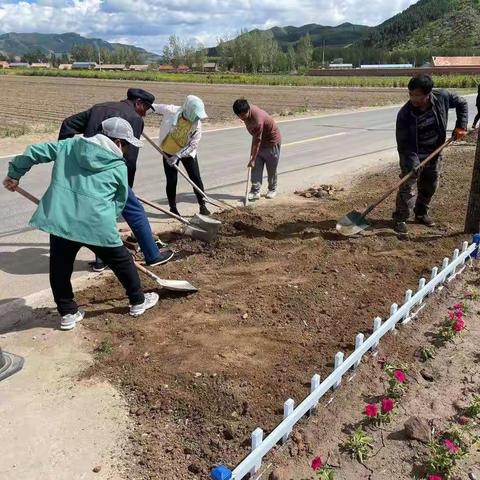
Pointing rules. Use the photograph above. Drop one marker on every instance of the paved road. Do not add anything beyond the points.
(314, 150)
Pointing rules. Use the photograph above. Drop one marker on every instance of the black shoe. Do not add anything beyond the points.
(175, 211)
(425, 220)
(163, 257)
(400, 227)
(97, 266)
(204, 210)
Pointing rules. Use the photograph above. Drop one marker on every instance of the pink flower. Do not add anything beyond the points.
(458, 306)
(459, 325)
(400, 376)
(387, 405)
(317, 463)
(371, 410)
(435, 477)
(451, 315)
(452, 447)
(459, 314)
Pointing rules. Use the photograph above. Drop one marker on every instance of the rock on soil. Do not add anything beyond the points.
(418, 429)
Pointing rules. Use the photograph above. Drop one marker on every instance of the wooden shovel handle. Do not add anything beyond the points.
(27, 195)
(406, 177)
(164, 210)
(247, 186)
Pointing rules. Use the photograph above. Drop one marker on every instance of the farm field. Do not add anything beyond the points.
(38, 104)
(442, 81)
(201, 372)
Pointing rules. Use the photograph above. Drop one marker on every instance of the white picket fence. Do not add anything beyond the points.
(261, 446)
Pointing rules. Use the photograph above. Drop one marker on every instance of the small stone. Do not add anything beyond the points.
(146, 355)
(198, 374)
(194, 468)
(228, 433)
(472, 476)
(96, 469)
(427, 376)
(417, 428)
(245, 316)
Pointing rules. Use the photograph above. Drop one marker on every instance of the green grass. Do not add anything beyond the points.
(443, 81)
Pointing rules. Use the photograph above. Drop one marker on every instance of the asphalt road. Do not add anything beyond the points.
(314, 150)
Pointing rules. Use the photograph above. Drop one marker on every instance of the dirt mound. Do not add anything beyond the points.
(280, 294)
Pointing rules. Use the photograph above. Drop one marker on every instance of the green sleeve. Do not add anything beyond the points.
(33, 155)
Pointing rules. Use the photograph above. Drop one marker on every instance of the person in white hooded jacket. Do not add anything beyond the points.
(179, 137)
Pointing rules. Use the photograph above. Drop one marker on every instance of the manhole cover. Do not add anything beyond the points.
(9, 364)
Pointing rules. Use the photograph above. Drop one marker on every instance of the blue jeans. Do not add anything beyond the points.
(136, 218)
(134, 214)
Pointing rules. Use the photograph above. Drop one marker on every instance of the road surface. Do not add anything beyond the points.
(314, 150)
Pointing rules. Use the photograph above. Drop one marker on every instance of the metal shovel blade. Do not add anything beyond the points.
(352, 223)
(199, 234)
(176, 285)
(206, 223)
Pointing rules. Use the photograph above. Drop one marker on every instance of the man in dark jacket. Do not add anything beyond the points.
(421, 129)
(88, 123)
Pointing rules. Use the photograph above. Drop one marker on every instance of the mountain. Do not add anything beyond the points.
(340, 36)
(18, 44)
(451, 24)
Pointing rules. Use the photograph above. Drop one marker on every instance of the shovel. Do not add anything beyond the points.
(247, 186)
(216, 203)
(354, 222)
(175, 285)
(200, 227)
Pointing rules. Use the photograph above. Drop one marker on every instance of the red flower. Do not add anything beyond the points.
(458, 306)
(387, 405)
(371, 410)
(459, 325)
(317, 463)
(452, 447)
(451, 315)
(459, 314)
(400, 376)
(435, 477)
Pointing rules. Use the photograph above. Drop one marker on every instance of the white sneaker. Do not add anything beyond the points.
(69, 321)
(151, 299)
(271, 194)
(254, 196)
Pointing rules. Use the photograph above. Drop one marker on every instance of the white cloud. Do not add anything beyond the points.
(148, 23)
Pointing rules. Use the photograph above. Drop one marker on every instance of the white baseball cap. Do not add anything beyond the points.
(117, 127)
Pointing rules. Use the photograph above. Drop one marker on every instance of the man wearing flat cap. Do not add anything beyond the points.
(89, 122)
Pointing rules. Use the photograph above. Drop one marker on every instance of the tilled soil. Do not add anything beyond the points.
(46, 101)
(280, 294)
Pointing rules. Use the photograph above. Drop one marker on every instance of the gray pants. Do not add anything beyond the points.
(426, 182)
(269, 158)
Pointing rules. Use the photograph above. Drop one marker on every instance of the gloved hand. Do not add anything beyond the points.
(459, 134)
(173, 160)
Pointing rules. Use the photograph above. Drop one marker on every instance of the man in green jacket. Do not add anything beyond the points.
(87, 193)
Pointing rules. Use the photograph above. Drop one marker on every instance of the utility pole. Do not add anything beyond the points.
(323, 55)
(472, 220)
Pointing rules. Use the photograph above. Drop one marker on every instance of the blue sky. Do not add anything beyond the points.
(149, 23)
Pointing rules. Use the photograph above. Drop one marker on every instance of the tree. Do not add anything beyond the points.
(292, 58)
(305, 51)
(472, 220)
(200, 57)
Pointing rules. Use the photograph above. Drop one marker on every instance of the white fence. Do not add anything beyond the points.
(260, 446)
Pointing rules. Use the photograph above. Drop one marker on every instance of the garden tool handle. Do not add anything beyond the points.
(247, 186)
(164, 210)
(27, 195)
(407, 177)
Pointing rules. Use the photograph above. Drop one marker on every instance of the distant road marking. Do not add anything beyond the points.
(313, 139)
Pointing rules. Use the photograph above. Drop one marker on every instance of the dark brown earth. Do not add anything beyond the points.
(280, 294)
